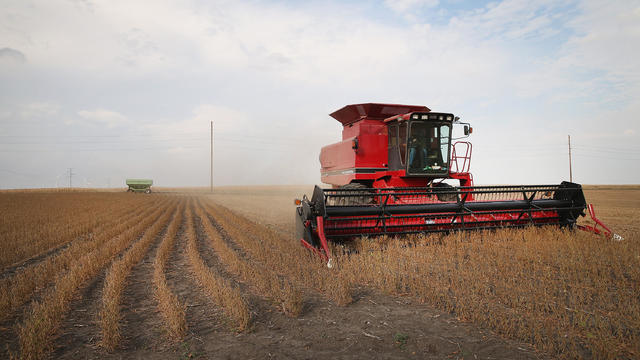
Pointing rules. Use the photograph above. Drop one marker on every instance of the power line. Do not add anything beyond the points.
(608, 150)
(173, 133)
(20, 173)
(171, 142)
(99, 150)
(150, 137)
(265, 149)
(259, 144)
(100, 142)
(606, 157)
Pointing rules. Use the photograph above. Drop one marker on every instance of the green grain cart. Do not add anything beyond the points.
(140, 185)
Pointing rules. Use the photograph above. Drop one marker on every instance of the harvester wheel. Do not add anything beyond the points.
(437, 188)
(148, 191)
(358, 189)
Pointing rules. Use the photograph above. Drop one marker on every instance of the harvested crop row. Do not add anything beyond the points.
(217, 288)
(38, 330)
(172, 310)
(282, 255)
(558, 290)
(109, 315)
(77, 230)
(17, 289)
(268, 283)
(33, 224)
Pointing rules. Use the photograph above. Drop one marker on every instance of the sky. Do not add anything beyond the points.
(126, 89)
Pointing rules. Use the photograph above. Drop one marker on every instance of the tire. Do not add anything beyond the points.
(437, 188)
(148, 191)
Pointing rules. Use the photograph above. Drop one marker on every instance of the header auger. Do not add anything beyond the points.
(387, 175)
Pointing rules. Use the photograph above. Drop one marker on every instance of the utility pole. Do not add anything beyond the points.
(211, 173)
(570, 170)
(70, 176)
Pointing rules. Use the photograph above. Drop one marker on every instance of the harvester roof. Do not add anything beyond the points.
(352, 113)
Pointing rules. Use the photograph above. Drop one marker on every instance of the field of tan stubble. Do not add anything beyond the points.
(569, 293)
(37, 293)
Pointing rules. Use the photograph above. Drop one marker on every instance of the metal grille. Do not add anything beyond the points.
(373, 196)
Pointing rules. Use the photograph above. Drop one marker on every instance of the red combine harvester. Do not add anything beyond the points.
(387, 175)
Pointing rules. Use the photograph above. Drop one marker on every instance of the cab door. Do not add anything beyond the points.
(397, 145)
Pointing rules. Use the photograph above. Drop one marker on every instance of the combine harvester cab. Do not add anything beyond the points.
(387, 178)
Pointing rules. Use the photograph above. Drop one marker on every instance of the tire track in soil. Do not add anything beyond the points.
(81, 333)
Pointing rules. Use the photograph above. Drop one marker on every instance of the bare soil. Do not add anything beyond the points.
(374, 326)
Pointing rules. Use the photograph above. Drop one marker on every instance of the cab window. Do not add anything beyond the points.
(428, 147)
(402, 141)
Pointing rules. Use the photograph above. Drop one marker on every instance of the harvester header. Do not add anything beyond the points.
(391, 174)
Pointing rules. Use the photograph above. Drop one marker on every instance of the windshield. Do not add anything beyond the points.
(428, 147)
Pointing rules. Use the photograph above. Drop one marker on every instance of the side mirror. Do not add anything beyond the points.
(466, 130)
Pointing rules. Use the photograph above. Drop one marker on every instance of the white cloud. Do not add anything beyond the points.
(596, 64)
(177, 150)
(105, 117)
(33, 111)
(605, 37)
(39, 110)
(11, 56)
(300, 45)
(402, 6)
(225, 120)
(275, 69)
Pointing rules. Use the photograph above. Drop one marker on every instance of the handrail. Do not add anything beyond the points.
(466, 158)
